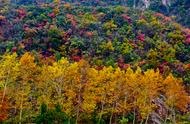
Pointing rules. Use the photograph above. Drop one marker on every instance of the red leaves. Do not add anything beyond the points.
(14, 49)
(165, 18)
(67, 35)
(126, 18)
(187, 39)
(89, 34)
(76, 58)
(21, 13)
(69, 16)
(72, 19)
(52, 15)
(41, 25)
(159, 15)
(162, 67)
(99, 68)
(141, 37)
(122, 65)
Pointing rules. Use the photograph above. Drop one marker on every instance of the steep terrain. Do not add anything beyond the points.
(179, 9)
(79, 63)
(106, 35)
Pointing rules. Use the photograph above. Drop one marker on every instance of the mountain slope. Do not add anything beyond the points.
(110, 34)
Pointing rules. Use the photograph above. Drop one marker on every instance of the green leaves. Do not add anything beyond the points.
(50, 116)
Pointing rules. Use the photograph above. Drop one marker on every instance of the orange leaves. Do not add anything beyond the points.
(175, 93)
(2, 18)
(21, 13)
(27, 67)
(3, 108)
(27, 60)
(67, 6)
(72, 19)
(89, 34)
(188, 66)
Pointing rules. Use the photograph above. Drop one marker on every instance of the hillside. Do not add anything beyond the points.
(179, 9)
(92, 64)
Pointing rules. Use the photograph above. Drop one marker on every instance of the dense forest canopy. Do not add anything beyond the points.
(94, 61)
(178, 8)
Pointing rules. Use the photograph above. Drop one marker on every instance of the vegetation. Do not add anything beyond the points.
(79, 93)
(70, 63)
(177, 9)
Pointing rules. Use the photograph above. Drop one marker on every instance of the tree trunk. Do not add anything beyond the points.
(4, 92)
(21, 107)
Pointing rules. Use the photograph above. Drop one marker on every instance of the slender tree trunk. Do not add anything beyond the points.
(141, 122)
(4, 92)
(146, 122)
(102, 108)
(69, 120)
(78, 109)
(174, 116)
(165, 120)
(21, 108)
(111, 118)
(124, 105)
(134, 114)
(111, 114)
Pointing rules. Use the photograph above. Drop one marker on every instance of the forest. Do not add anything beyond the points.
(94, 62)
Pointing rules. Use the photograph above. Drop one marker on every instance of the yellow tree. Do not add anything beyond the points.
(144, 88)
(71, 86)
(51, 83)
(176, 96)
(63, 85)
(117, 93)
(90, 99)
(83, 68)
(8, 72)
(24, 84)
(124, 104)
(104, 88)
(107, 89)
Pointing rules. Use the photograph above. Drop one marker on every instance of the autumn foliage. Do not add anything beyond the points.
(3, 108)
(82, 62)
(81, 90)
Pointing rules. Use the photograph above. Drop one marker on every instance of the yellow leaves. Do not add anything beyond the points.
(78, 87)
(8, 68)
(144, 88)
(110, 25)
(109, 46)
(27, 68)
(27, 60)
(89, 103)
(57, 6)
